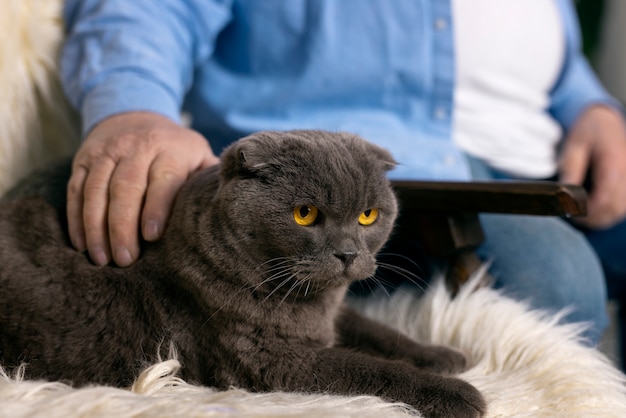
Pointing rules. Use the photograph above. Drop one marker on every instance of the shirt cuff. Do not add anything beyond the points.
(127, 92)
(579, 90)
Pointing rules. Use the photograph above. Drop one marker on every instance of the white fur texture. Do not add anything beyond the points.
(35, 122)
(523, 361)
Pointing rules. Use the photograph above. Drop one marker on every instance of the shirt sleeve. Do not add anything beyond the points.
(123, 55)
(578, 87)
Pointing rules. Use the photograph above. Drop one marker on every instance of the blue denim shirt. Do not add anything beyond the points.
(382, 69)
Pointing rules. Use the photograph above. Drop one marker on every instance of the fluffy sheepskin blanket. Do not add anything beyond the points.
(36, 124)
(523, 361)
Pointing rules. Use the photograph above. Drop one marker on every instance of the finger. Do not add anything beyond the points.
(165, 180)
(95, 205)
(75, 207)
(127, 191)
(607, 200)
(574, 162)
(209, 160)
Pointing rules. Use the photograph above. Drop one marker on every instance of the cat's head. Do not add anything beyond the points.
(307, 208)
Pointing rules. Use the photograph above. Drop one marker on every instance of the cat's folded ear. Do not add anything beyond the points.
(245, 157)
(252, 156)
(384, 157)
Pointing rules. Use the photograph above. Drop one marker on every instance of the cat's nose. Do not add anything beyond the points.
(347, 257)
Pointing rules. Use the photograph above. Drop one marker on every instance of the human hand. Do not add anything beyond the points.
(597, 143)
(129, 170)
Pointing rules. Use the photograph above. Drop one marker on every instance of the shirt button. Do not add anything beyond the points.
(449, 160)
(440, 113)
(441, 24)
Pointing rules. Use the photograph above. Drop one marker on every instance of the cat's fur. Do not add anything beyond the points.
(246, 296)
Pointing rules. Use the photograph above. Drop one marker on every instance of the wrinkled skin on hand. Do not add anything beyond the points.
(125, 177)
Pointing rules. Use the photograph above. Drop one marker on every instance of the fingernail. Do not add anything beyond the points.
(98, 256)
(151, 230)
(123, 257)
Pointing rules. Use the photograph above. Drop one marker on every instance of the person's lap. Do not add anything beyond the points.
(610, 245)
(546, 261)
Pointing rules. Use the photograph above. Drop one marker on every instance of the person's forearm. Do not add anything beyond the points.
(122, 56)
(577, 90)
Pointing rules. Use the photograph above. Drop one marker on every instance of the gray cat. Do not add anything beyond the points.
(247, 282)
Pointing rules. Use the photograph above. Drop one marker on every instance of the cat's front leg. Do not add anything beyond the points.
(371, 337)
(345, 372)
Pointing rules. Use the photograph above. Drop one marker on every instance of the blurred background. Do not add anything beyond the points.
(603, 24)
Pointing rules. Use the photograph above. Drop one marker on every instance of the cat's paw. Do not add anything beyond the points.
(450, 397)
(440, 359)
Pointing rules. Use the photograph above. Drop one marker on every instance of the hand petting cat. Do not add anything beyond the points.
(124, 180)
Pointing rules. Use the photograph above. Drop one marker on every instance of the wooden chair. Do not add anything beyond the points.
(443, 216)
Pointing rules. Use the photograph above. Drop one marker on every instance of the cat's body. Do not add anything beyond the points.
(247, 291)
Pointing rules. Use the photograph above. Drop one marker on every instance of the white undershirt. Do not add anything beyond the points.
(509, 54)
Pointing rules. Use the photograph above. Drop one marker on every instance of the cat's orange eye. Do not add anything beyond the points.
(368, 217)
(305, 215)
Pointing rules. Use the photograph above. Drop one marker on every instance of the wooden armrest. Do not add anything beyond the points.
(502, 196)
(444, 215)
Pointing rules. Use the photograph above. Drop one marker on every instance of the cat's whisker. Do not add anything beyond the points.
(285, 267)
(308, 282)
(279, 269)
(254, 289)
(385, 285)
(403, 257)
(282, 273)
(273, 277)
(382, 285)
(272, 260)
(277, 266)
(275, 262)
(278, 287)
(379, 284)
(405, 274)
(297, 283)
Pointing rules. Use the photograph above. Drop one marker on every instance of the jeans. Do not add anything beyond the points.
(610, 245)
(547, 262)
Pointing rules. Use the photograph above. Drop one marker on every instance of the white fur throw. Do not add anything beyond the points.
(524, 363)
(36, 124)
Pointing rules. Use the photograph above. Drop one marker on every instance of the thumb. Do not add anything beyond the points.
(574, 161)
